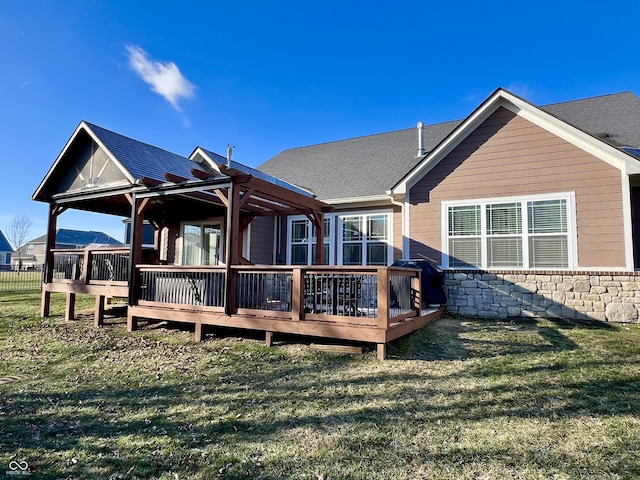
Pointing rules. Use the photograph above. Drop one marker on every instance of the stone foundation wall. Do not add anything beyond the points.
(604, 296)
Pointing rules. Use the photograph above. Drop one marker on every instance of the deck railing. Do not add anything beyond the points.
(377, 296)
(181, 285)
(353, 295)
(264, 290)
(91, 266)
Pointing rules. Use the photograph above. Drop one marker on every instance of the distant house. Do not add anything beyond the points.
(5, 252)
(34, 251)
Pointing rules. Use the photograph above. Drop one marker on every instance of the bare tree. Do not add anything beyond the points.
(18, 234)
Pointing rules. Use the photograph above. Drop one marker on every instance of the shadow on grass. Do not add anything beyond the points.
(451, 338)
(186, 415)
(145, 406)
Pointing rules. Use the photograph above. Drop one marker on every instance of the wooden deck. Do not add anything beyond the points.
(368, 304)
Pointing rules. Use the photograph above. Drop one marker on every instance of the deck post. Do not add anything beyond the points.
(98, 319)
(382, 351)
(45, 304)
(86, 260)
(70, 307)
(231, 245)
(132, 322)
(135, 255)
(268, 339)
(317, 219)
(416, 287)
(383, 298)
(297, 294)
(47, 276)
(199, 333)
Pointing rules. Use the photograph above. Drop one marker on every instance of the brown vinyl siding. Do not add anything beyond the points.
(509, 156)
(262, 237)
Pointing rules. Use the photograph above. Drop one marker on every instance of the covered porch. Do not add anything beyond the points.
(368, 304)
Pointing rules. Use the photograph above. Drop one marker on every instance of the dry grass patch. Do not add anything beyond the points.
(458, 399)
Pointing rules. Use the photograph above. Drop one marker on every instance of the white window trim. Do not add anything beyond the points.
(214, 220)
(572, 243)
(339, 243)
(311, 240)
(246, 243)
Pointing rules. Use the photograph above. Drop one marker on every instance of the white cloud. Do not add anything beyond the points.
(164, 77)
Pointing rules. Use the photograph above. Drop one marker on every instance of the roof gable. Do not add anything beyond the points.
(95, 157)
(502, 98)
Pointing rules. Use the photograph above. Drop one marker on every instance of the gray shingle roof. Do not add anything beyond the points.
(358, 167)
(142, 159)
(371, 165)
(257, 173)
(613, 118)
(4, 244)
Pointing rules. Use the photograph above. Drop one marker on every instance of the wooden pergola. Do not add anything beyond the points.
(242, 195)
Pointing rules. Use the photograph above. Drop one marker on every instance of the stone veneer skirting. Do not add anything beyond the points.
(603, 296)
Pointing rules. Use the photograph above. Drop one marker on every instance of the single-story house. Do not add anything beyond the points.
(529, 211)
(5, 252)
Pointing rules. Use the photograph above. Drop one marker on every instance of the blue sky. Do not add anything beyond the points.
(267, 76)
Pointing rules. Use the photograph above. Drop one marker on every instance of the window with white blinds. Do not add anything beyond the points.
(525, 233)
(548, 245)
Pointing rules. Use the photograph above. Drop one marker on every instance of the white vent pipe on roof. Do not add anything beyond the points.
(421, 152)
(229, 153)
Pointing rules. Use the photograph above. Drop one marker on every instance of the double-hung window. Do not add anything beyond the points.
(365, 239)
(302, 241)
(512, 233)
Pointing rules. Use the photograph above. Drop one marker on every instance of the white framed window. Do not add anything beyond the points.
(301, 244)
(534, 232)
(365, 238)
(202, 242)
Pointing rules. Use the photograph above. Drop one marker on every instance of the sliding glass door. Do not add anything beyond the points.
(202, 243)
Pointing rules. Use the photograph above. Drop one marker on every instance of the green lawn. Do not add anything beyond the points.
(460, 399)
(12, 280)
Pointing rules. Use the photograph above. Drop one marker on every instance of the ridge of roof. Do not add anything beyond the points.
(624, 92)
(363, 137)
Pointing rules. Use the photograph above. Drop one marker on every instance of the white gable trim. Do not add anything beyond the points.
(627, 220)
(82, 126)
(200, 156)
(502, 98)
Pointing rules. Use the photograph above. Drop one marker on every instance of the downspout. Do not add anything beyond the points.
(405, 235)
